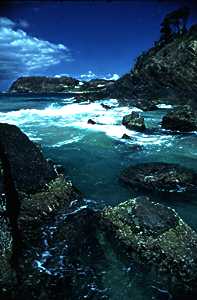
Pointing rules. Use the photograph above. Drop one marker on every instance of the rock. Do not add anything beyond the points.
(29, 169)
(166, 71)
(7, 273)
(106, 106)
(37, 207)
(92, 122)
(162, 177)
(182, 118)
(125, 137)
(156, 236)
(134, 121)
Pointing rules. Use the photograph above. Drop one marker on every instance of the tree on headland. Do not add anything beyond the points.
(174, 23)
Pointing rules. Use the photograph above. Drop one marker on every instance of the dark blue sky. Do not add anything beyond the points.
(103, 37)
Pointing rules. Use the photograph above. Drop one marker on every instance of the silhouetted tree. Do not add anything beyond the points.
(174, 23)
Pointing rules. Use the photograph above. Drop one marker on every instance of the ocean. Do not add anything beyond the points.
(94, 155)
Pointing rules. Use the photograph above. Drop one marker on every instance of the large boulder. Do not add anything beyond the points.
(156, 236)
(182, 118)
(29, 169)
(134, 121)
(162, 177)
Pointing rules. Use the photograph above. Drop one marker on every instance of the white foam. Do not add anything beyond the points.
(76, 115)
(165, 106)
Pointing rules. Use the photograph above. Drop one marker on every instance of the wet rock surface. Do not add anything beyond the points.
(182, 118)
(162, 177)
(7, 274)
(134, 122)
(29, 170)
(155, 235)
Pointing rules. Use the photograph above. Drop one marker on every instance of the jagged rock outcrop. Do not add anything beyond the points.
(42, 84)
(162, 177)
(134, 121)
(96, 84)
(167, 73)
(181, 118)
(156, 236)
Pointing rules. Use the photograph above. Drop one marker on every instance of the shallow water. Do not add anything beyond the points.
(94, 155)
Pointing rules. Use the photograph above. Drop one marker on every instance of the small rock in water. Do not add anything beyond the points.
(126, 137)
(106, 106)
(134, 121)
(92, 122)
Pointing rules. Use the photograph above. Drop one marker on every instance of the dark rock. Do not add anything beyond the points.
(134, 121)
(29, 169)
(156, 236)
(182, 118)
(36, 207)
(166, 71)
(161, 177)
(90, 121)
(106, 106)
(125, 136)
(7, 273)
(96, 84)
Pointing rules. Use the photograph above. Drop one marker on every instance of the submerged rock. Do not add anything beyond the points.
(156, 236)
(182, 118)
(162, 177)
(134, 121)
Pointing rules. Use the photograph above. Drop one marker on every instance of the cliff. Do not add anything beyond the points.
(166, 73)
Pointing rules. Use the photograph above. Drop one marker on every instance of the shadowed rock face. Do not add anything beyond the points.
(160, 177)
(29, 170)
(155, 235)
(182, 118)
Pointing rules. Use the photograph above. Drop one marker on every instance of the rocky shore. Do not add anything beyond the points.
(33, 195)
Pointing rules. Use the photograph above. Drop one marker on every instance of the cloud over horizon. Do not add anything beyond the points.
(21, 54)
(90, 75)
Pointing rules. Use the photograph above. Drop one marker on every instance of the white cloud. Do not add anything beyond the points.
(5, 22)
(88, 76)
(20, 53)
(112, 76)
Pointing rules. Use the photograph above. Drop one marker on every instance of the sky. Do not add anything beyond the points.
(82, 39)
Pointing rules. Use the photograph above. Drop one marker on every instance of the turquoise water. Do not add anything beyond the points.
(94, 155)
